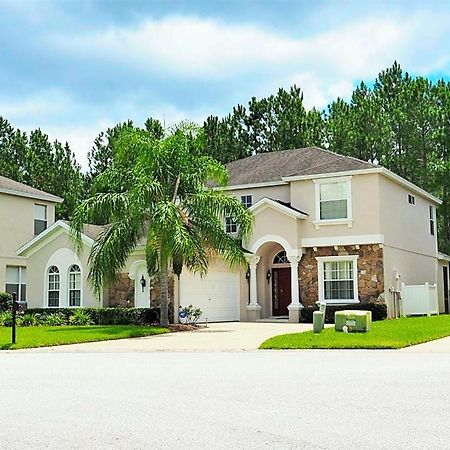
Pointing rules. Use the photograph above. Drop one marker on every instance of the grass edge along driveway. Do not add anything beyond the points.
(386, 334)
(43, 336)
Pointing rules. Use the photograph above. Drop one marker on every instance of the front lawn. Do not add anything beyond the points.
(43, 336)
(395, 333)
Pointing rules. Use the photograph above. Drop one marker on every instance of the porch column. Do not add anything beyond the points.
(295, 307)
(253, 308)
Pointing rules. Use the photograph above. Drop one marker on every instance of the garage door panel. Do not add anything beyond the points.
(216, 294)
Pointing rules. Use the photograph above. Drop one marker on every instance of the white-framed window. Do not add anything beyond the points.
(74, 285)
(53, 287)
(333, 201)
(338, 279)
(432, 220)
(40, 218)
(230, 225)
(16, 281)
(411, 200)
(247, 200)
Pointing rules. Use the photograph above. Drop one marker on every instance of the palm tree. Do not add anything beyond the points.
(158, 192)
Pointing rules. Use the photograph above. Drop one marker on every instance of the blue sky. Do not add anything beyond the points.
(74, 68)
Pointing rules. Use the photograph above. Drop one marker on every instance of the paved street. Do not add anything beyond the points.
(254, 400)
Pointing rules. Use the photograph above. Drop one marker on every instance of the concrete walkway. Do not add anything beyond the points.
(437, 346)
(232, 336)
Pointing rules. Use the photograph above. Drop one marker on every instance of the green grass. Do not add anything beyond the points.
(395, 333)
(29, 337)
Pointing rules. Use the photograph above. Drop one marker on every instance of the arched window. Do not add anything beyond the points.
(74, 285)
(53, 287)
(281, 258)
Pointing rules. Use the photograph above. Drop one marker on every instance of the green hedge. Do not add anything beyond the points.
(107, 316)
(379, 311)
(5, 301)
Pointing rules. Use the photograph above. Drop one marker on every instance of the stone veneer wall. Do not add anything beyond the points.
(370, 271)
(121, 293)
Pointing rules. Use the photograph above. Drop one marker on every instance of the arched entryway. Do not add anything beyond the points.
(273, 266)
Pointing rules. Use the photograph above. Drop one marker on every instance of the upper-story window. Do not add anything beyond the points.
(40, 218)
(411, 199)
(333, 201)
(230, 225)
(247, 200)
(432, 220)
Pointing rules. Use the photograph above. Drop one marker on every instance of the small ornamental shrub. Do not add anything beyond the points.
(5, 319)
(5, 301)
(28, 320)
(192, 314)
(55, 320)
(80, 317)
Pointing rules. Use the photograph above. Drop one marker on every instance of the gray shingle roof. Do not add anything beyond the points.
(15, 188)
(272, 166)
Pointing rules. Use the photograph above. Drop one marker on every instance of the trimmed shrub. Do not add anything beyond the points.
(28, 320)
(80, 317)
(379, 311)
(5, 301)
(5, 319)
(54, 320)
(103, 316)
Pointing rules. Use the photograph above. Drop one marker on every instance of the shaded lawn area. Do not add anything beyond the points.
(42, 336)
(394, 333)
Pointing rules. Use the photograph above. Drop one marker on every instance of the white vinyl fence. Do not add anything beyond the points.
(419, 299)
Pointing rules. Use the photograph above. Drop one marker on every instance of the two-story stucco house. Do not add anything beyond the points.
(25, 212)
(326, 227)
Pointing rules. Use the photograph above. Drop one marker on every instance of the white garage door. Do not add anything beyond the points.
(216, 294)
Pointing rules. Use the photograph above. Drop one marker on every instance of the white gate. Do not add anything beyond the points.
(419, 299)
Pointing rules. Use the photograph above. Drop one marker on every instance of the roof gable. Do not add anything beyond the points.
(284, 208)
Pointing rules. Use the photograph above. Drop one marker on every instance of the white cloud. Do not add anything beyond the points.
(205, 48)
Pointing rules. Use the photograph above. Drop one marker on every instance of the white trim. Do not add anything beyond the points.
(343, 240)
(332, 174)
(318, 222)
(252, 185)
(50, 198)
(320, 261)
(266, 202)
(271, 238)
(51, 231)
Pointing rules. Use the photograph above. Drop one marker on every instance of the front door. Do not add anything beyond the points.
(142, 289)
(446, 293)
(281, 291)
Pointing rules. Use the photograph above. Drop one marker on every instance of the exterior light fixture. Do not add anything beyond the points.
(268, 275)
(143, 283)
(247, 275)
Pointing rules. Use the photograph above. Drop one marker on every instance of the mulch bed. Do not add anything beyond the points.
(176, 327)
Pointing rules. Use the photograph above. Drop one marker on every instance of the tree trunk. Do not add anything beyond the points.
(164, 305)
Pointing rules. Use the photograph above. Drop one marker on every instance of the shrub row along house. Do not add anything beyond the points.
(326, 227)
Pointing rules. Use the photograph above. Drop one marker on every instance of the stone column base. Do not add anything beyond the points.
(294, 313)
(253, 313)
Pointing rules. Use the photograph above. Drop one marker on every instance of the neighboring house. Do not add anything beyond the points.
(25, 212)
(326, 227)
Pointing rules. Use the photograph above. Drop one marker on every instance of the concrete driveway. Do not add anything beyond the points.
(232, 336)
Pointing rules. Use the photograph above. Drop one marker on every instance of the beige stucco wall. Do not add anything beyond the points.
(365, 208)
(412, 268)
(440, 282)
(281, 193)
(37, 273)
(16, 228)
(405, 226)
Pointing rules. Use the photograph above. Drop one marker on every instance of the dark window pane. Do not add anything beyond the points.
(39, 226)
(53, 298)
(333, 209)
